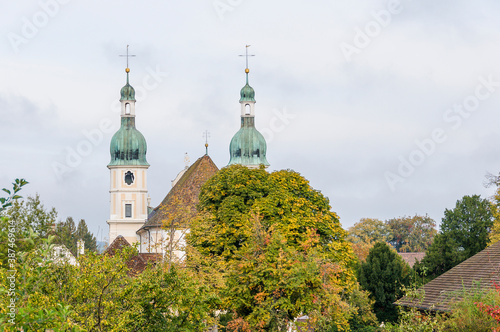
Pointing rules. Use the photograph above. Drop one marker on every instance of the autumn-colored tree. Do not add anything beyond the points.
(364, 234)
(411, 234)
(282, 251)
(494, 180)
(99, 293)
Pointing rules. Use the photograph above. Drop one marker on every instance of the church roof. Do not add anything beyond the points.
(127, 92)
(248, 146)
(128, 146)
(180, 203)
(247, 93)
(481, 270)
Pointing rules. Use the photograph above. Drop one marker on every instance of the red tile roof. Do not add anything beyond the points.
(136, 263)
(412, 257)
(180, 203)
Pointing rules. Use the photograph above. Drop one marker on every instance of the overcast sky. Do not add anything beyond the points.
(389, 108)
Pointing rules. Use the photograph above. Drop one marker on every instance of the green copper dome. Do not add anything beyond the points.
(128, 145)
(127, 92)
(248, 146)
(247, 93)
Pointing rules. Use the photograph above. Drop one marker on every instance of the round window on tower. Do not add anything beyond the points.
(129, 178)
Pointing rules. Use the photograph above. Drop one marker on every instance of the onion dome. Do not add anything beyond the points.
(247, 93)
(127, 92)
(128, 145)
(248, 146)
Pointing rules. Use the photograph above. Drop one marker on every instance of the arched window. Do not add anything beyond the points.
(127, 108)
(247, 109)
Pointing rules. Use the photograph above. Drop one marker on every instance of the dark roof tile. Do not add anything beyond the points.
(481, 270)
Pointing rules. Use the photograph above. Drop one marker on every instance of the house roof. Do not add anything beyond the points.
(480, 270)
(411, 257)
(180, 203)
(136, 263)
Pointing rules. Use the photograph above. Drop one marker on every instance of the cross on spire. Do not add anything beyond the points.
(206, 135)
(246, 55)
(128, 56)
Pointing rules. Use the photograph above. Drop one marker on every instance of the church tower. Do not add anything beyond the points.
(248, 146)
(128, 168)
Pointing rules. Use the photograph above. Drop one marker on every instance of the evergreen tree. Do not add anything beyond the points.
(66, 234)
(384, 274)
(82, 232)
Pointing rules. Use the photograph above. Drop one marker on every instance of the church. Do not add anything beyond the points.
(161, 230)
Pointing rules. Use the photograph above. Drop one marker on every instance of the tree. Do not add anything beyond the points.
(494, 235)
(83, 233)
(66, 234)
(368, 230)
(469, 224)
(364, 234)
(491, 180)
(31, 213)
(9, 232)
(411, 234)
(384, 274)
(464, 232)
(441, 256)
(170, 298)
(281, 250)
(19, 218)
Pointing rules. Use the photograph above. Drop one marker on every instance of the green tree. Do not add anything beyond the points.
(9, 232)
(384, 274)
(441, 256)
(169, 298)
(31, 213)
(464, 232)
(18, 218)
(469, 224)
(66, 234)
(83, 233)
(411, 234)
(281, 250)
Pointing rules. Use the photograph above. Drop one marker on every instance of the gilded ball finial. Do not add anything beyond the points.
(206, 145)
(247, 70)
(127, 70)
